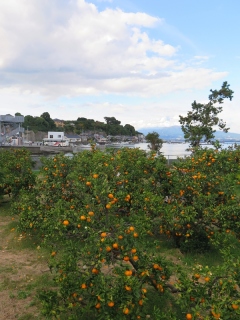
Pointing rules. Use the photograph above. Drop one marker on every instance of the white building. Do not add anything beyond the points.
(56, 139)
(55, 135)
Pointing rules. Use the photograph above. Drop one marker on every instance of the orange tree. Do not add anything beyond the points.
(213, 292)
(15, 171)
(101, 214)
(96, 210)
(202, 213)
(202, 201)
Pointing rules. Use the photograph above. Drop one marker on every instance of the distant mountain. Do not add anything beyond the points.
(175, 133)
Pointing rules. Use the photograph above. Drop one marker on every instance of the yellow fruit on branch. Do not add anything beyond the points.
(110, 304)
(65, 222)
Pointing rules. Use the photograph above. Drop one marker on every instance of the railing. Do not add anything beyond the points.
(170, 157)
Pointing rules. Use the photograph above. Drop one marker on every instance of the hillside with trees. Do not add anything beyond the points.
(111, 126)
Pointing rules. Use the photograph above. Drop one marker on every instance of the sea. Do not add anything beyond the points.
(175, 150)
(171, 151)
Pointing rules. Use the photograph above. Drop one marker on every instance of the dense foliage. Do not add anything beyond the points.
(154, 140)
(43, 123)
(111, 127)
(105, 214)
(15, 171)
(200, 122)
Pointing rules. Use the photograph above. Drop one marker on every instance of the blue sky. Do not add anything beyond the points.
(143, 62)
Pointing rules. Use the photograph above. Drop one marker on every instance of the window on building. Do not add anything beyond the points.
(51, 136)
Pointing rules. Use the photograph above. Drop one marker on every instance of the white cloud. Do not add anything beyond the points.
(71, 48)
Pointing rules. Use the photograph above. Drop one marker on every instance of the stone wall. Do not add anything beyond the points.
(32, 136)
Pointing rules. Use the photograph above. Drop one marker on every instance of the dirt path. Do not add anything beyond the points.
(22, 272)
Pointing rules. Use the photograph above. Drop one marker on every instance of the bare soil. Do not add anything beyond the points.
(21, 271)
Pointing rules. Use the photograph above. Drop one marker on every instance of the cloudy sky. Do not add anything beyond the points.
(143, 62)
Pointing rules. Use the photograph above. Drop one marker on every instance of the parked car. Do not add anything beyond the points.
(57, 144)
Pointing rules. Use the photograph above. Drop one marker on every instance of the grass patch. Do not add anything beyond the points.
(21, 242)
(7, 269)
(5, 205)
(210, 258)
(162, 306)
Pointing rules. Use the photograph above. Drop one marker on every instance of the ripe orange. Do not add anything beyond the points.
(134, 250)
(98, 305)
(126, 311)
(128, 288)
(95, 175)
(131, 228)
(95, 271)
(126, 258)
(84, 286)
(188, 316)
(88, 183)
(110, 196)
(135, 258)
(108, 249)
(108, 206)
(115, 246)
(110, 304)
(135, 234)
(235, 306)
(66, 222)
(53, 253)
(140, 302)
(91, 213)
(103, 234)
(207, 279)
(82, 218)
(120, 237)
(128, 273)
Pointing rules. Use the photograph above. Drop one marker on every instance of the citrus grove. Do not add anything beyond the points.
(15, 171)
(105, 215)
